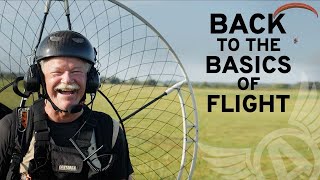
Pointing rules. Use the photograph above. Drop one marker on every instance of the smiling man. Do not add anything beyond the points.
(63, 138)
(65, 79)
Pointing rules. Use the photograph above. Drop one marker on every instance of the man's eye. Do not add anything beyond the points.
(56, 73)
(77, 72)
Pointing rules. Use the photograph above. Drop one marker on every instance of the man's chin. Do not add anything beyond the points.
(64, 104)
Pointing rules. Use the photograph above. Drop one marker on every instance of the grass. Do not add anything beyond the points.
(243, 129)
(216, 129)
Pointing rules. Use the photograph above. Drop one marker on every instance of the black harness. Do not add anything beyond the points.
(51, 160)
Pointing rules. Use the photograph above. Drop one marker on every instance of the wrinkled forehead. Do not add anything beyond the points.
(64, 62)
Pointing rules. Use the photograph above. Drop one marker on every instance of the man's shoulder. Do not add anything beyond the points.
(104, 121)
(102, 115)
(38, 105)
(101, 118)
(7, 121)
(4, 110)
(7, 131)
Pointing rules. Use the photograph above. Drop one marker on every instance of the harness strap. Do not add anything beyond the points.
(24, 165)
(115, 132)
(39, 167)
(86, 132)
(41, 130)
(39, 159)
(93, 147)
(19, 141)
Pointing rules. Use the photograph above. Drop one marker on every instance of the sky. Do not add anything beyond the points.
(186, 26)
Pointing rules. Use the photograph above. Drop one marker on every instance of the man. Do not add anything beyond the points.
(63, 138)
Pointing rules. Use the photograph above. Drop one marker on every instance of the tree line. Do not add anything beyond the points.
(153, 82)
(298, 85)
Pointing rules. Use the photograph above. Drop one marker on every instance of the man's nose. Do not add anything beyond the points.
(67, 78)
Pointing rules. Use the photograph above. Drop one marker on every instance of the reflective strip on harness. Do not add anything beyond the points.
(92, 149)
(93, 146)
(115, 132)
(24, 165)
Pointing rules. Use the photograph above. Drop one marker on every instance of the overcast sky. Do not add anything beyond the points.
(186, 26)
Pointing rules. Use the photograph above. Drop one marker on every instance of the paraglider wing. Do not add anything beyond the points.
(294, 5)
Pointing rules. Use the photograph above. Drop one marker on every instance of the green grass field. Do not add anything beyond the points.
(231, 130)
(245, 130)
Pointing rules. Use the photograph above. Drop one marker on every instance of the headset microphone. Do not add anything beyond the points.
(75, 108)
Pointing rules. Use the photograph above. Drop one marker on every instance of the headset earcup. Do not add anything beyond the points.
(93, 81)
(32, 79)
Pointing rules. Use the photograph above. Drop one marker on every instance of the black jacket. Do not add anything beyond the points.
(121, 167)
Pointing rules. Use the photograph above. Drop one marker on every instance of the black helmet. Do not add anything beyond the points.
(66, 43)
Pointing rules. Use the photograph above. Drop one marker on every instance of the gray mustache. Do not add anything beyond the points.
(63, 86)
